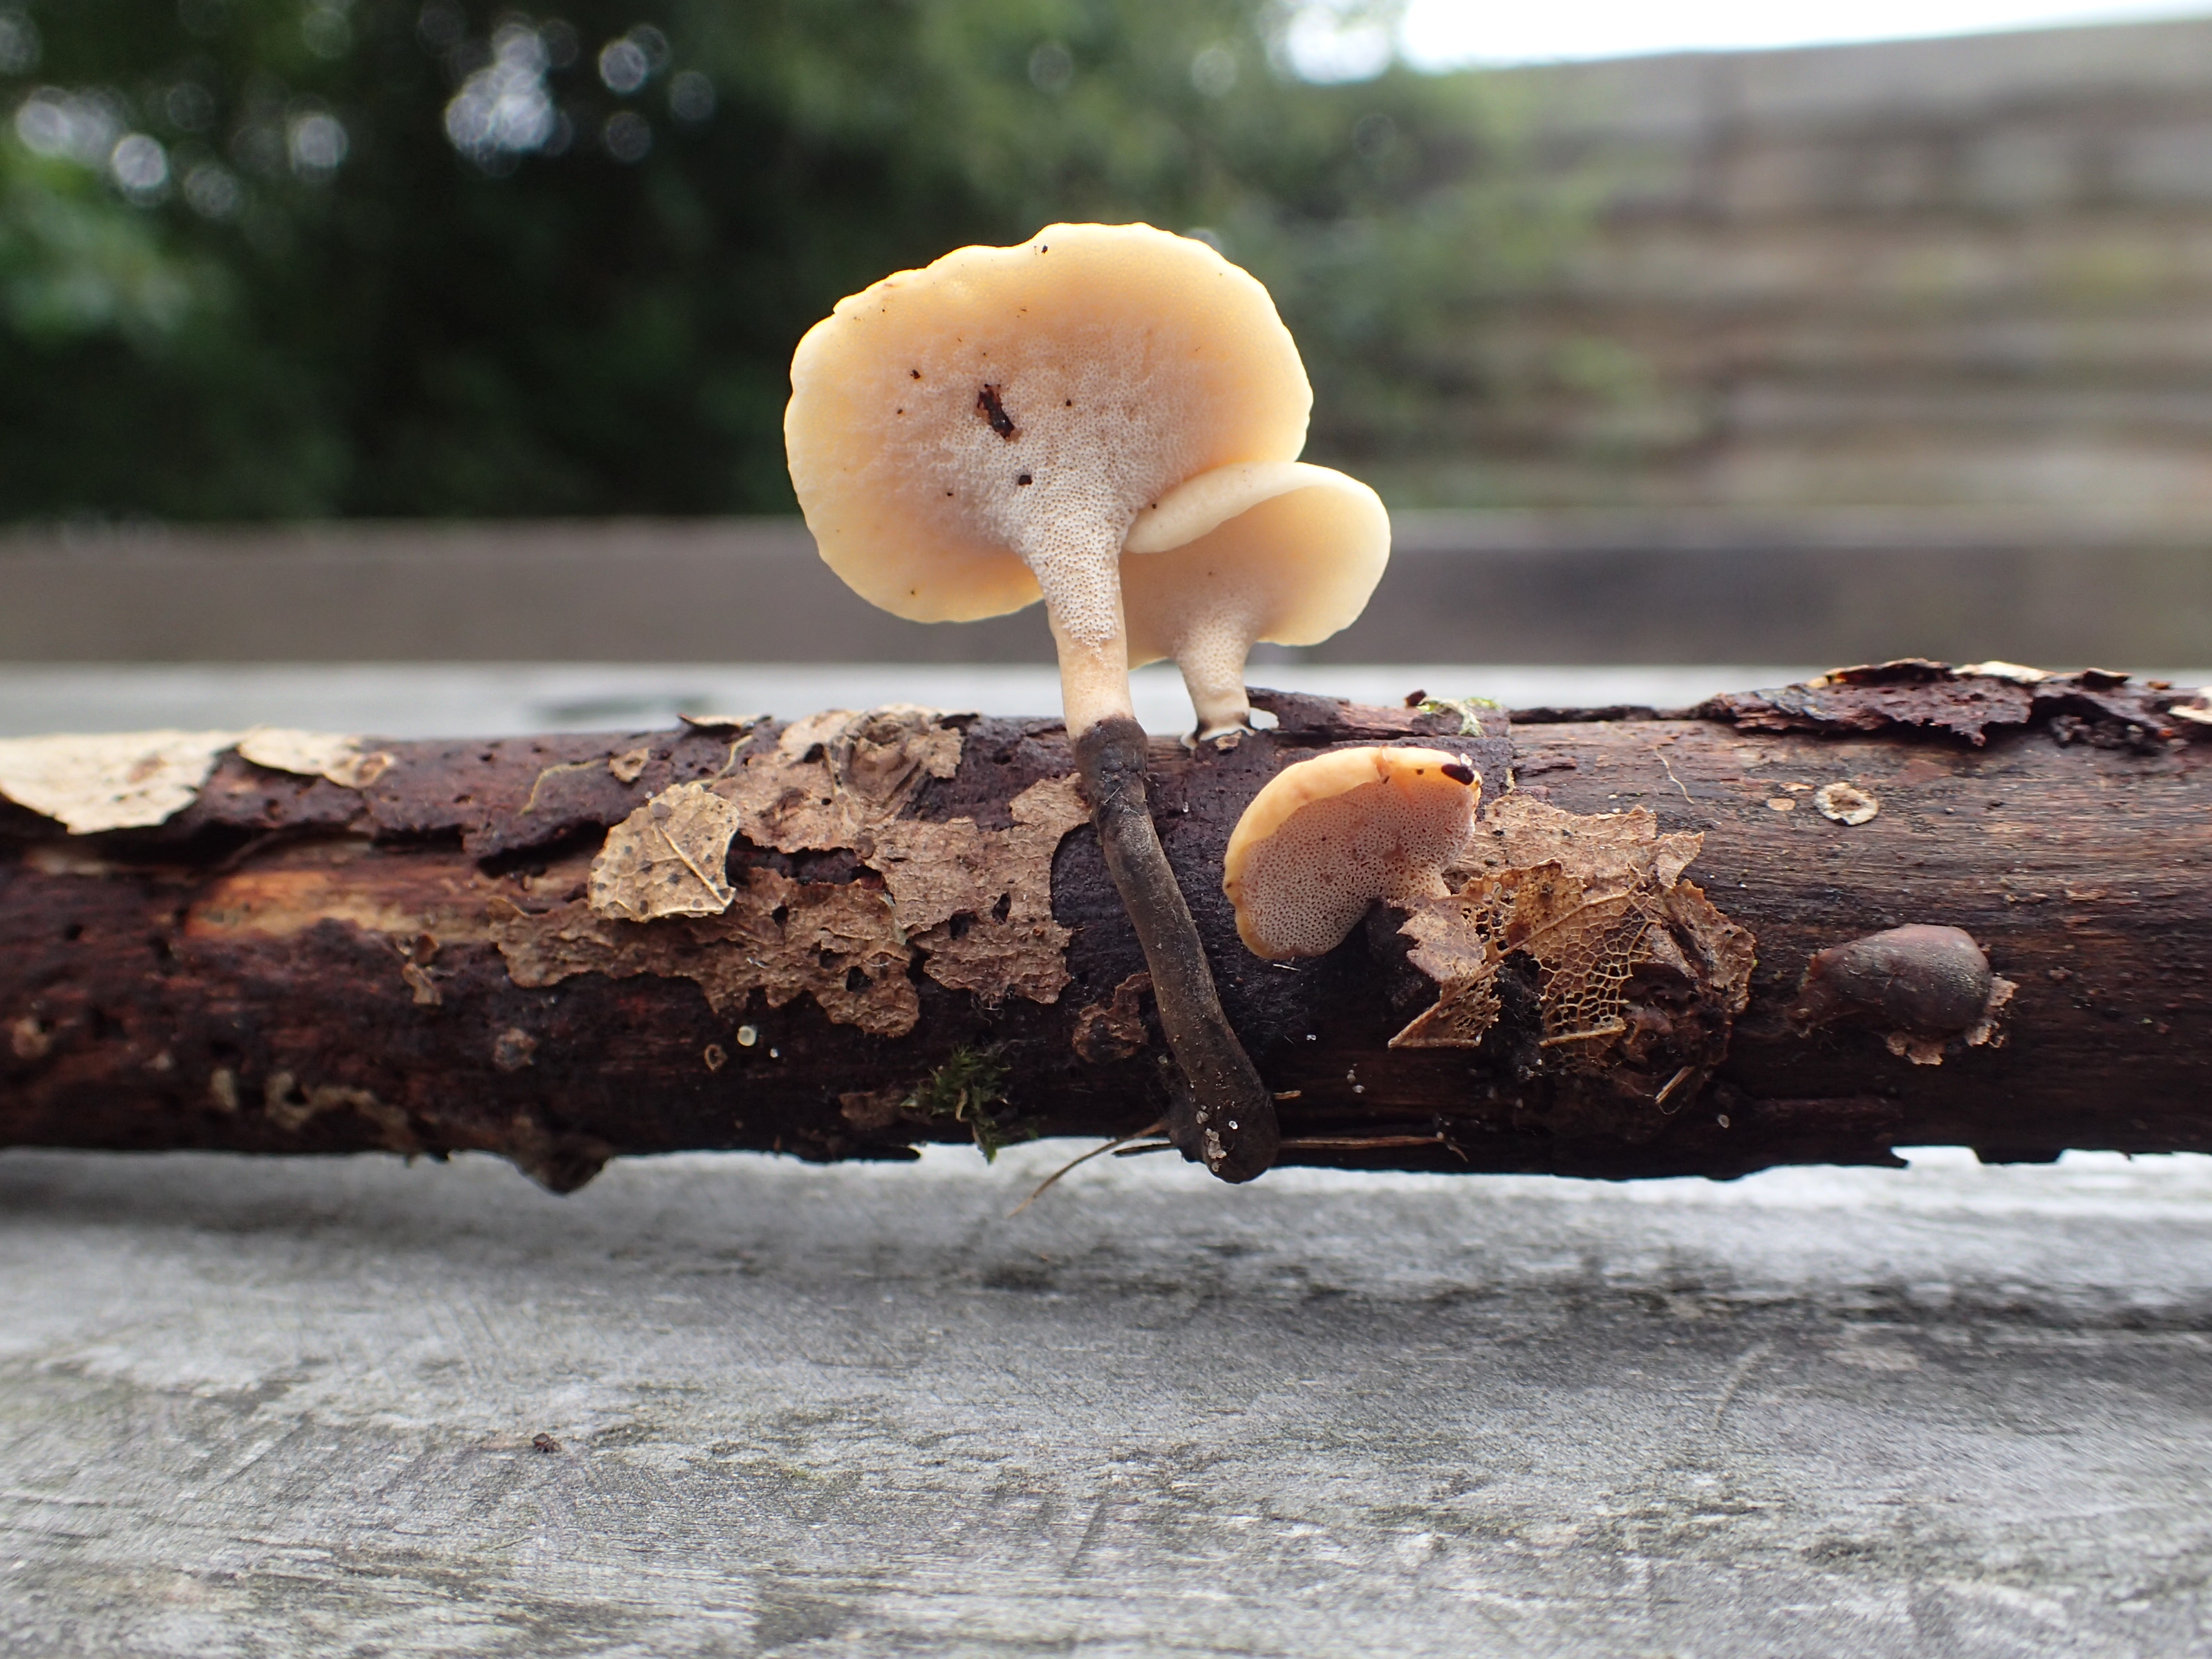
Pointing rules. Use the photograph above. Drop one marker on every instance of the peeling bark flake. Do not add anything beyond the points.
(979, 902)
(833, 775)
(836, 942)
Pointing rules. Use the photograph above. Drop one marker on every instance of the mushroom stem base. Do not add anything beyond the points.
(1231, 1126)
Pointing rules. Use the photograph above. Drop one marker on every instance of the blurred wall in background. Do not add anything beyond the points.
(1971, 272)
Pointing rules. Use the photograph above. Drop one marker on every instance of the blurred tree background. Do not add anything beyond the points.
(276, 259)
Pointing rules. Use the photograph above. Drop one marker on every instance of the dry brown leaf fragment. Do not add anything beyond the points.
(1609, 850)
(881, 757)
(1600, 898)
(978, 902)
(1465, 1010)
(1107, 1031)
(843, 947)
(994, 960)
(668, 858)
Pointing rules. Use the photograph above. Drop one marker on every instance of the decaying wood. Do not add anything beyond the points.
(845, 936)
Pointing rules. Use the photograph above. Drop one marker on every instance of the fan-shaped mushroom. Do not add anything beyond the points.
(1276, 550)
(1329, 836)
(964, 437)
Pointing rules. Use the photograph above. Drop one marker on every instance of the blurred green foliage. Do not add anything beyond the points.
(263, 258)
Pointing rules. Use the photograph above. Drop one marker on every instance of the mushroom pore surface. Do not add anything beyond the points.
(965, 436)
(1327, 837)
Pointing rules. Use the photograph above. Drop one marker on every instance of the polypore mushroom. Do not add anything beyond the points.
(968, 436)
(1276, 550)
(1331, 835)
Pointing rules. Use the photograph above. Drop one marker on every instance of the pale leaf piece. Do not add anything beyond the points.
(314, 754)
(110, 780)
(1609, 851)
(667, 858)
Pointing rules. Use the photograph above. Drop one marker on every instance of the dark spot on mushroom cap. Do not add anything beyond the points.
(1460, 773)
(915, 373)
(995, 414)
(1024, 478)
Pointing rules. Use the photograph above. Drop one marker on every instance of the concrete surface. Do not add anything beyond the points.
(282, 1408)
(431, 700)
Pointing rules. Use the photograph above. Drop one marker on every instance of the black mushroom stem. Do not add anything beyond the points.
(1229, 1122)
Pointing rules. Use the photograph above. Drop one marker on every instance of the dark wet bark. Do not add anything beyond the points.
(294, 966)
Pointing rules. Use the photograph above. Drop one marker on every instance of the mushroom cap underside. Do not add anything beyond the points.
(1329, 836)
(1294, 559)
(936, 417)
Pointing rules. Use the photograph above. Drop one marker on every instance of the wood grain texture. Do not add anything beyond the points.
(290, 965)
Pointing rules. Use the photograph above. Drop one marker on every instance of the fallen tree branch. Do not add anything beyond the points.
(843, 937)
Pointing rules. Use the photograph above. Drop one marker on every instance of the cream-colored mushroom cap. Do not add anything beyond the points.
(1276, 550)
(966, 435)
(1329, 836)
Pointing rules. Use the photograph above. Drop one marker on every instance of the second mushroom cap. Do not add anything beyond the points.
(1329, 836)
(1277, 551)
